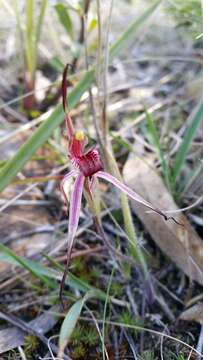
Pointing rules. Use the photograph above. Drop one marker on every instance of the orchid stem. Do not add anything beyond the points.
(62, 284)
(101, 232)
(94, 204)
(127, 216)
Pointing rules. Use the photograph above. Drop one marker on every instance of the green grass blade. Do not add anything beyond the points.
(44, 273)
(130, 34)
(29, 36)
(195, 120)
(18, 23)
(43, 6)
(64, 18)
(41, 135)
(156, 143)
(25, 264)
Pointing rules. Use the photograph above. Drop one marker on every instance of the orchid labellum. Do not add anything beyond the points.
(87, 166)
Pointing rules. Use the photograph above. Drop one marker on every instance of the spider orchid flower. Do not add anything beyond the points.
(87, 167)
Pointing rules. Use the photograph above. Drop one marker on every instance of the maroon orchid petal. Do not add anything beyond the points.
(69, 124)
(89, 163)
(76, 147)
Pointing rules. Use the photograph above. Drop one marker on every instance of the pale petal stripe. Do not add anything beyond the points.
(75, 205)
(132, 194)
(63, 182)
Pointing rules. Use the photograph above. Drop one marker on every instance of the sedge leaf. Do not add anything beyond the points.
(194, 122)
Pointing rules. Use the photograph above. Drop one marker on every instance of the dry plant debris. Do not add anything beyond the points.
(181, 243)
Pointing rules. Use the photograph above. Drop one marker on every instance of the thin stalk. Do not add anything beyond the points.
(105, 122)
(19, 30)
(91, 99)
(40, 22)
(127, 216)
(94, 205)
(82, 36)
(30, 37)
(30, 55)
(99, 63)
(109, 159)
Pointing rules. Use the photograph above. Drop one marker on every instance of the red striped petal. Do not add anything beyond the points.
(88, 163)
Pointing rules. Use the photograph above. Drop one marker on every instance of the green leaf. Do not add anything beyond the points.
(70, 321)
(194, 122)
(64, 18)
(41, 135)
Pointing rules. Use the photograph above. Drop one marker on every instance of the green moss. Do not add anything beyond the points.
(12, 355)
(84, 334)
(91, 337)
(31, 345)
(116, 289)
(148, 355)
(78, 352)
(127, 318)
(180, 357)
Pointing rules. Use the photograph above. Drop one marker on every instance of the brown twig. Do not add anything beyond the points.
(80, 253)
